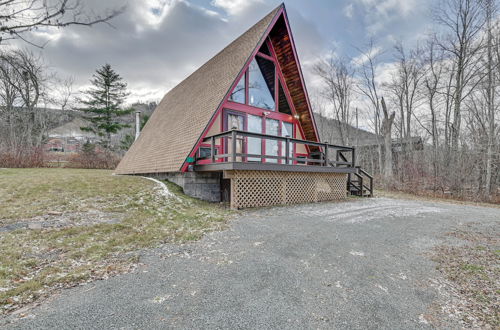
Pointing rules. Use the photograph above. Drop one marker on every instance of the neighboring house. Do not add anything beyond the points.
(366, 143)
(68, 138)
(330, 132)
(240, 129)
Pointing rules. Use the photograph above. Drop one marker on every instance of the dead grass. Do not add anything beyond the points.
(474, 271)
(34, 263)
(403, 195)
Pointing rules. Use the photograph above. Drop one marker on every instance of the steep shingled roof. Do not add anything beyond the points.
(183, 114)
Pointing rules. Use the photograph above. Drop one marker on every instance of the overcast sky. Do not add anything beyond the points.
(155, 44)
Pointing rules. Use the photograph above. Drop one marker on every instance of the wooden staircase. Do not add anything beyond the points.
(360, 183)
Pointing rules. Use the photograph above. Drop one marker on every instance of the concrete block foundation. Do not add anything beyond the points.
(202, 185)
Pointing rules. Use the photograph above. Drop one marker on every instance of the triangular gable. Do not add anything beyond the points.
(182, 116)
(293, 95)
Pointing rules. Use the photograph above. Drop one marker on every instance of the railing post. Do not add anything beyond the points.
(212, 149)
(287, 150)
(353, 157)
(337, 157)
(361, 184)
(233, 142)
(326, 155)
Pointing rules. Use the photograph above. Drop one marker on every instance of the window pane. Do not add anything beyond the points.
(272, 128)
(238, 94)
(254, 144)
(261, 83)
(287, 130)
(206, 153)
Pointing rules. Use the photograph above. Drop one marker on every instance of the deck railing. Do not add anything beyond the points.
(319, 153)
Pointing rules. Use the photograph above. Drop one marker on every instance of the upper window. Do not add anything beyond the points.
(238, 94)
(261, 83)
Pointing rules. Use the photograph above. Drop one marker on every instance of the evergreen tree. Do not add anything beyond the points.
(103, 105)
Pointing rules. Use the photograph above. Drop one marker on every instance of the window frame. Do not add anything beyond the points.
(278, 79)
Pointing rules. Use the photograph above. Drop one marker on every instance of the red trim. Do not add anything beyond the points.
(285, 16)
(285, 89)
(267, 57)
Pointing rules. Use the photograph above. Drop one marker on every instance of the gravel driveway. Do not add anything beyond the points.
(358, 264)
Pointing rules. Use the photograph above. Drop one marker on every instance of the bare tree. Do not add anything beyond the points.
(492, 65)
(17, 17)
(405, 86)
(387, 122)
(431, 86)
(368, 87)
(463, 20)
(23, 84)
(338, 77)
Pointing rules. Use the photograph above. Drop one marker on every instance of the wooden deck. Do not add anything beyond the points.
(255, 166)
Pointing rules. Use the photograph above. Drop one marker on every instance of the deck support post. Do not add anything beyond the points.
(233, 142)
(287, 150)
(326, 155)
(212, 149)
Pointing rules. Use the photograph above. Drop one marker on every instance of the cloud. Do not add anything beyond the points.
(363, 57)
(154, 45)
(380, 13)
(348, 10)
(235, 7)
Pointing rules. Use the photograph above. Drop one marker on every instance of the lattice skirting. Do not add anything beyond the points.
(265, 188)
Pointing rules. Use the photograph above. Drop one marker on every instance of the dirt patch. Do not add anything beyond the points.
(472, 275)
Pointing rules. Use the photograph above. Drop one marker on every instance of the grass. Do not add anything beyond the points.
(473, 269)
(34, 263)
(408, 196)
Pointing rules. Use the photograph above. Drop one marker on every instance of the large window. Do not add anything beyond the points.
(287, 131)
(272, 149)
(254, 144)
(238, 94)
(261, 83)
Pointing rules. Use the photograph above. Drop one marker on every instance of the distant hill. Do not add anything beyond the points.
(329, 130)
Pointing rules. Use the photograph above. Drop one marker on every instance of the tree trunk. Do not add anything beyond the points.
(387, 122)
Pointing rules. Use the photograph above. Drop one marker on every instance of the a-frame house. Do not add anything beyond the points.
(241, 129)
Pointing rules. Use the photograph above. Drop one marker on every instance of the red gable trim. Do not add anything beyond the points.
(300, 73)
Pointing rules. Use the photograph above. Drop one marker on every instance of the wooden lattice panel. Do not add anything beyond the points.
(265, 188)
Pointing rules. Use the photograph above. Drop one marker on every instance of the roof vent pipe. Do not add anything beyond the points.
(137, 124)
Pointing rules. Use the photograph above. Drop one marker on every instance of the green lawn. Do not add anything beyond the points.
(128, 213)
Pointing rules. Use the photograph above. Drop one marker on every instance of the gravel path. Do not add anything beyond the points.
(358, 264)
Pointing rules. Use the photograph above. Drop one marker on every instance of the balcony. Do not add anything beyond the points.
(230, 151)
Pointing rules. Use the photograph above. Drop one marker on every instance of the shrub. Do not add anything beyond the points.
(22, 157)
(93, 157)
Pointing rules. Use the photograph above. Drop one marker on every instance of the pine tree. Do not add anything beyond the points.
(103, 105)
